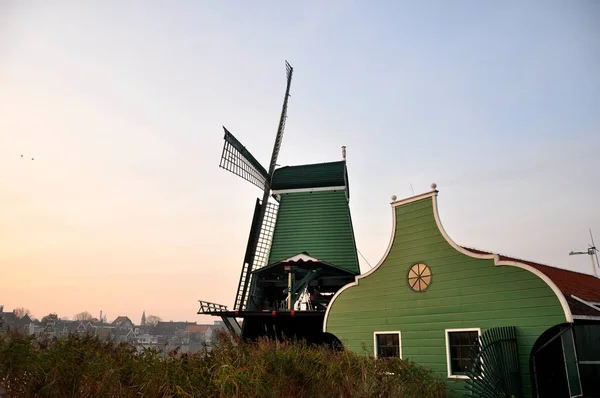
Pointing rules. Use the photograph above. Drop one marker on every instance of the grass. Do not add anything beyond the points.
(83, 366)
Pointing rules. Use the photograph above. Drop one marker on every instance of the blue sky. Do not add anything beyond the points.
(121, 104)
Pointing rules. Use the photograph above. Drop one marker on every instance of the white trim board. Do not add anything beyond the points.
(282, 191)
(586, 317)
(446, 337)
(399, 333)
(300, 257)
(414, 198)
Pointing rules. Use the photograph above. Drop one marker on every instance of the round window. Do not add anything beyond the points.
(419, 277)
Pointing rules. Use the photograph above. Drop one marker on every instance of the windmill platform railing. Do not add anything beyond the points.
(208, 308)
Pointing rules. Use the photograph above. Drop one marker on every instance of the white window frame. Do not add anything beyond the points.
(448, 356)
(375, 334)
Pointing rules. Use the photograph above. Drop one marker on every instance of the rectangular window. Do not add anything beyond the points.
(387, 344)
(459, 346)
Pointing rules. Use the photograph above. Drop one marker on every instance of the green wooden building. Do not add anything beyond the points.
(483, 321)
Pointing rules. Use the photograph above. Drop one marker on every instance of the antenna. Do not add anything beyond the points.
(344, 152)
(592, 251)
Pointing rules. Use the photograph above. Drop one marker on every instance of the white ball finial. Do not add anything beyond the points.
(394, 197)
(433, 186)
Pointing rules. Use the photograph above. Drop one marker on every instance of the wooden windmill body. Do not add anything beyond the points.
(301, 249)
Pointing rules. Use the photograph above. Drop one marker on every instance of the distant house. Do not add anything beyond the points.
(146, 341)
(197, 333)
(10, 322)
(62, 328)
(122, 322)
(104, 331)
(175, 329)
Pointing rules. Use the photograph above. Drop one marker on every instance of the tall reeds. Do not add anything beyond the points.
(84, 366)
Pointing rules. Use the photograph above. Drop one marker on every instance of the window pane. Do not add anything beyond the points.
(454, 366)
(464, 364)
(472, 337)
(461, 347)
(464, 338)
(388, 345)
(454, 338)
(454, 351)
(465, 350)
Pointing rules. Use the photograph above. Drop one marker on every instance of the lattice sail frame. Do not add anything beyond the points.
(239, 161)
(260, 256)
(265, 238)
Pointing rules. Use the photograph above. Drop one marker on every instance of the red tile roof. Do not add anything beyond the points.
(197, 328)
(583, 286)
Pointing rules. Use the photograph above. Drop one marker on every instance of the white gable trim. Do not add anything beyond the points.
(282, 191)
(498, 262)
(414, 198)
(300, 257)
(495, 257)
(357, 277)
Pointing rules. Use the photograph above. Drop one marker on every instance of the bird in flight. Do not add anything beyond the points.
(31, 158)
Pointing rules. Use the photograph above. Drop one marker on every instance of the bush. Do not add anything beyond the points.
(83, 366)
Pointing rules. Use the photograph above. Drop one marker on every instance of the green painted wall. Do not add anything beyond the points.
(318, 223)
(464, 293)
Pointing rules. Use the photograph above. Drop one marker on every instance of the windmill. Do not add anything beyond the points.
(592, 251)
(301, 247)
(239, 161)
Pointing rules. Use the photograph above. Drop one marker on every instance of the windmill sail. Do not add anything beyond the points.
(261, 208)
(282, 119)
(238, 160)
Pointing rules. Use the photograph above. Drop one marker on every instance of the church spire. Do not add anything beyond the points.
(144, 318)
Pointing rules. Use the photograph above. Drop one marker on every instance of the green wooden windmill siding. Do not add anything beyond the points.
(314, 221)
(465, 292)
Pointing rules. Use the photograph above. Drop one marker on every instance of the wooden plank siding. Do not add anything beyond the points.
(465, 292)
(318, 223)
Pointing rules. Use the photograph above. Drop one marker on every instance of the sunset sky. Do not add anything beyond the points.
(121, 104)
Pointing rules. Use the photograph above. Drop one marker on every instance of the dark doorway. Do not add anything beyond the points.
(553, 364)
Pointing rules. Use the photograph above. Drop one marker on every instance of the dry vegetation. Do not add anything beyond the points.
(83, 366)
